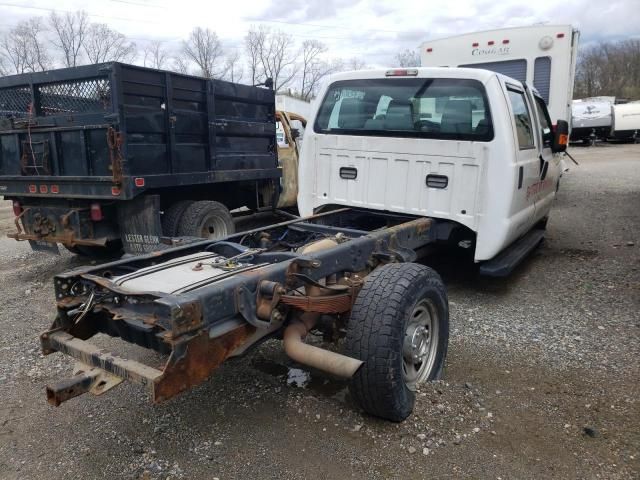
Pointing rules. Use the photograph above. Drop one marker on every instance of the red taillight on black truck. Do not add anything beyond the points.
(96, 212)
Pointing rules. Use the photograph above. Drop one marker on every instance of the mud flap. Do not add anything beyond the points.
(140, 227)
(42, 246)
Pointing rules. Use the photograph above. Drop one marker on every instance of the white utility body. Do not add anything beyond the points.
(466, 145)
(542, 55)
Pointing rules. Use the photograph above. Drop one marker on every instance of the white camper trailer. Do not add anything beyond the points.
(625, 123)
(543, 56)
(591, 119)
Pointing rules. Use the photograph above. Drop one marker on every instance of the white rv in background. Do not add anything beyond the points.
(591, 119)
(626, 121)
(543, 56)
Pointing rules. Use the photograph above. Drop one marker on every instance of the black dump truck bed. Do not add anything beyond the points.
(114, 131)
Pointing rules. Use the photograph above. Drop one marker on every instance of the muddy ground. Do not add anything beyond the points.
(542, 379)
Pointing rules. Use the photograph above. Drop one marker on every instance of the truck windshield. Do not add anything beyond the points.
(442, 108)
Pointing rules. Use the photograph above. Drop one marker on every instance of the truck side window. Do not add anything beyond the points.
(522, 118)
(545, 122)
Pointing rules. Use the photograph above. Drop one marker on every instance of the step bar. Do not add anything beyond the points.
(505, 262)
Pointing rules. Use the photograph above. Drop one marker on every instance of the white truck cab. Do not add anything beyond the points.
(470, 146)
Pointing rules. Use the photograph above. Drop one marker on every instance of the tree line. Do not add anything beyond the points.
(609, 68)
(71, 39)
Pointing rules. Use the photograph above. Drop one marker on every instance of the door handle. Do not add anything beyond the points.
(348, 173)
(520, 177)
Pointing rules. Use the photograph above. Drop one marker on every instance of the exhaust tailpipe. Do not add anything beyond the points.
(325, 360)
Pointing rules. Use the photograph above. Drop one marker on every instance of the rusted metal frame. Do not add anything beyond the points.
(98, 242)
(191, 362)
(239, 294)
(164, 255)
(85, 379)
(194, 355)
(59, 341)
(70, 387)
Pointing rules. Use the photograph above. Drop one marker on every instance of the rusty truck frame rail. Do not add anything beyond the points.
(203, 326)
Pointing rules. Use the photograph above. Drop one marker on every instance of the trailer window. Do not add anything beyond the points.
(511, 68)
(542, 76)
(522, 119)
(449, 109)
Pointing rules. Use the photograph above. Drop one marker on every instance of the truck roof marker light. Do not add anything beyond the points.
(490, 42)
(139, 182)
(115, 191)
(560, 35)
(33, 189)
(402, 72)
(44, 189)
(429, 50)
(55, 189)
(96, 212)
(475, 44)
(505, 41)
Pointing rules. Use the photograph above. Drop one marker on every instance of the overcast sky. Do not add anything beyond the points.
(372, 30)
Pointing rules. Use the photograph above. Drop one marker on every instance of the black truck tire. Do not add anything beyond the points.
(172, 216)
(399, 328)
(206, 219)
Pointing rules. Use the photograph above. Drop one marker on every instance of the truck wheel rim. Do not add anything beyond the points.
(213, 227)
(420, 343)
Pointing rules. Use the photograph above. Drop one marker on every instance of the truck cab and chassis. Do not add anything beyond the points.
(394, 162)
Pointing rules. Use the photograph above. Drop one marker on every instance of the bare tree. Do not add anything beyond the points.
(254, 42)
(70, 31)
(205, 49)
(314, 69)
(355, 63)
(275, 54)
(155, 55)
(4, 68)
(23, 47)
(407, 58)
(180, 65)
(233, 70)
(609, 68)
(106, 45)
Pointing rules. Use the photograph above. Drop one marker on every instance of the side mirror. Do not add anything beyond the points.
(560, 137)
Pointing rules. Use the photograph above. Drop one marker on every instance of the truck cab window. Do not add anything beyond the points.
(522, 119)
(442, 108)
(545, 122)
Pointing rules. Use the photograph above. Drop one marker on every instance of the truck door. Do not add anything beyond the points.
(527, 159)
(544, 191)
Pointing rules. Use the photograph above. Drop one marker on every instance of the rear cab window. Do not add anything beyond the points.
(441, 108)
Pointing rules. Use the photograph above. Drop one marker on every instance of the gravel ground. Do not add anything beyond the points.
(541, 380)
